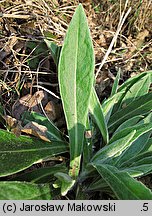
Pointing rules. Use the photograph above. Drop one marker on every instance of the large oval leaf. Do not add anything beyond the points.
(24, 191)
(17, 154)
(76, 67)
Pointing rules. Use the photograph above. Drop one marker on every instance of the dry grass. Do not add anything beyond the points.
(23, 21)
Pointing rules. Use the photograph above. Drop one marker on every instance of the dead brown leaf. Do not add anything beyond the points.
(13, 124)
(53, 110)
(33, 128)
(29, 102)
(10, 121)
(17, 130)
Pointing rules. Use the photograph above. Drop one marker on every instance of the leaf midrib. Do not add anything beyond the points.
(75, 90)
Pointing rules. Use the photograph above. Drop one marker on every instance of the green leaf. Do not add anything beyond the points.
(128, 123)
(147, 160)
(115, 85)
(87, 152)
(137, 142)
(123, 185)
(53, 133)
(148, 146)
(66, 182)
(97, 112)
(55, 50)
(40, 175)
(146, 119)
(115, 148)
(138, 171)
(109, 104)
(76, 76)
(134, 171)
(120, 143)
(20, 153)
(125, 87)
(140, 159)
(37, 52)
(139, 106)
(88, 144)
(131, 81)
(141, 87)
(140, 129)
(24, 191)
(99, 185)
(133, 149)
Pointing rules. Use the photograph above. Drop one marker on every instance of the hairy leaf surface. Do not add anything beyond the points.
(19, 153)
(40, 175)
(139, 106)
(24, 191)
(116, 148)
(76, 67)
(97, 112)
(123, 185)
